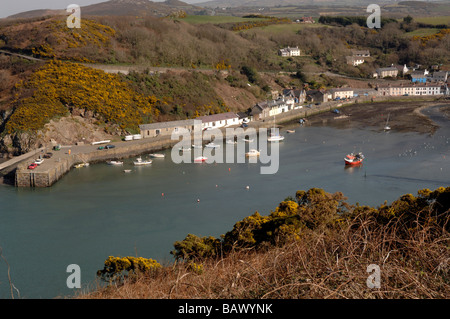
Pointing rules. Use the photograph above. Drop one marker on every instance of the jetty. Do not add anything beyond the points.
(54, 168)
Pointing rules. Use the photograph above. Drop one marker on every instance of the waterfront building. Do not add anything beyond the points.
(219, 120)
(414, 89)
(341, 93)
(166, 128)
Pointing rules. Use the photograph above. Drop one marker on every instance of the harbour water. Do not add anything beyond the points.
(100, 211)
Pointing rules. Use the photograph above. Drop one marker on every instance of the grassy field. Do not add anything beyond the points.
(421, 32)
(434, 20)
(216, 19)
(288, 27)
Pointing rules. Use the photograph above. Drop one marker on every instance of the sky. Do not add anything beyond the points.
(10, 7)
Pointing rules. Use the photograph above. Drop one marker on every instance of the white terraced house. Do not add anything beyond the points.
(414, 89)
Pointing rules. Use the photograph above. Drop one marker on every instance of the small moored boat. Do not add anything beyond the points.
(212, 145)
(275, 138)
(114, 163)
(352, 159)
(139, 162)
(156, 155)
(200, 159)
(252, 152)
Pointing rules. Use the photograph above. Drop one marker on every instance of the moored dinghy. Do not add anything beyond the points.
(200, 159)
(116, 163)
(352, 159)
(140, 162)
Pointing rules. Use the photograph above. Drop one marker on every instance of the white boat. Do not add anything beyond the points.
(290, 131)
(387, 127)
(200, 159)
(213, 145)
(196, 146)
(79, 165)
(275, 138)
(127, 170)
(185, 149)
(139, 162)
(231, 142)
(114, 163)
(247, 140)
(156, 155)
(252, 152)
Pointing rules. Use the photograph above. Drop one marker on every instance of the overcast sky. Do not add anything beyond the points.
(10, 7)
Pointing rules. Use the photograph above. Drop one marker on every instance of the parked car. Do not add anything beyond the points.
(32, 166)
(244, 125)
(48, 155)
(109, 146)
(57, 147)
(39, 161)
(101, 148)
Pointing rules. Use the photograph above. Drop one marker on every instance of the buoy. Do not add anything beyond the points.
(217, 186)
(162, 194)
(248, 187)
(198, 200)
(229, 169)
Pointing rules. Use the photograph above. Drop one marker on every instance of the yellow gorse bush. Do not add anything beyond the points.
(58, 86)
(116, 268)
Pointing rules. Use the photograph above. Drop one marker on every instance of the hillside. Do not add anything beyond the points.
(135, 8)
(313, 245)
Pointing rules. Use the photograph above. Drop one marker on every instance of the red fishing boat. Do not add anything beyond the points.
(352, 159)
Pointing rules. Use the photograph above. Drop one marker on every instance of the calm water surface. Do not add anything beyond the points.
(99, 211)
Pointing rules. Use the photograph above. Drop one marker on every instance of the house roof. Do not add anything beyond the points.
(171, 124)
(390, 68)
(217, 117)
(341, 90)
(360, 52)
(293, 92)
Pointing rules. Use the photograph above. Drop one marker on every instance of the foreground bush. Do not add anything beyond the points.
(287, 255)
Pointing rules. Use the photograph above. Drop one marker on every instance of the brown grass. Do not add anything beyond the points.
(322, 264)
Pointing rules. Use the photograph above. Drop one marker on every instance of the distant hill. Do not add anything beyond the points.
(122, 8)
(274, 3)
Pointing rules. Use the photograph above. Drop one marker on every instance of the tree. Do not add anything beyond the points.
(408, 19)
(250, 73)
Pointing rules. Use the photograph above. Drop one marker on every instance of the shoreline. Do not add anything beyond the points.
(403, 116)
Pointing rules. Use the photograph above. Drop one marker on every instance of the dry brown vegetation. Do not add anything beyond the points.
(408, 240)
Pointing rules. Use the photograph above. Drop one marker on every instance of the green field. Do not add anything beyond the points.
(288, 27)
(434, 20)
(217, 19)
(421, 32)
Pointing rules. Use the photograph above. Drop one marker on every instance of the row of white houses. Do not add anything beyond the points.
(414, 89)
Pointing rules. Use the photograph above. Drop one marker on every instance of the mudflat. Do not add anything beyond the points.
(403, 116)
